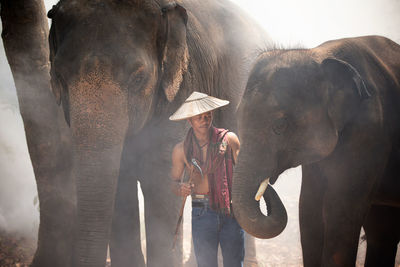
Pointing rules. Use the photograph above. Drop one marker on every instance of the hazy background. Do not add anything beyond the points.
(289, 22)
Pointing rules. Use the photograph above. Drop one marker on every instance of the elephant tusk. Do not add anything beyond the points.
(261, 189)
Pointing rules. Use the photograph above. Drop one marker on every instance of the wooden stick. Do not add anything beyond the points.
(181, 212)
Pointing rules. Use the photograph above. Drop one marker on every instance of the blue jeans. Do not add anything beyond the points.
(210, 228)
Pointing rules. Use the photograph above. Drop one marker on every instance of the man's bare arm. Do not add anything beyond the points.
(234, 143)
(178, 166)
(178, 162)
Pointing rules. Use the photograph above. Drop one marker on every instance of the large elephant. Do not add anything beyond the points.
(25, 34)
(334, 110)
(119, 69)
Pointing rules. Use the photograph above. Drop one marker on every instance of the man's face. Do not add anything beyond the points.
(201, 122)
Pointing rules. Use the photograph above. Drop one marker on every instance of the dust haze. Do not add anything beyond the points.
(289, 22)
(18, 196)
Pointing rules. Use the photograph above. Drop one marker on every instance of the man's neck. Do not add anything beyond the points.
(202, 137)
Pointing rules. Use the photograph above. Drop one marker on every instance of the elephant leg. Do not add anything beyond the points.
(382, 229)
(345, 206)
(57, 195)
(250, 259)
(161, 215)
(47, 134)
(125, 245)
(57, 220)
(310, 215)
(341, 232)
(191, 262)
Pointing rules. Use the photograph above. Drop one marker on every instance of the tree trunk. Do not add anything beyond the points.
(25, 33)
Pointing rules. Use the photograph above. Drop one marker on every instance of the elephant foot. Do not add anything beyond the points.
(250, 263)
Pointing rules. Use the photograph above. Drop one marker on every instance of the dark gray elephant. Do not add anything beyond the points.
(335, 110)
(25, 33)
(120, 69)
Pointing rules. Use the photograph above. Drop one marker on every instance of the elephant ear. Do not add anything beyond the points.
(346, 91)
(175, 55)
(57, 83)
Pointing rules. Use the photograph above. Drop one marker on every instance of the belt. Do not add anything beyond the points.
(199, 200)
(199, 196)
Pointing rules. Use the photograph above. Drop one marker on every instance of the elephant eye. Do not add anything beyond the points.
(137, 79)
(279, 126)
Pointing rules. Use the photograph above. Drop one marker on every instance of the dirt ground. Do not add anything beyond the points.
(282, 251)
(15, 251)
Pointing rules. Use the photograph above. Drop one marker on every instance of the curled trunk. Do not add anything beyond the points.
(247, 209)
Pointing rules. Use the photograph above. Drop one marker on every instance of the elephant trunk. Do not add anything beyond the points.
(99, 122)
(96, 177)
(247, 209)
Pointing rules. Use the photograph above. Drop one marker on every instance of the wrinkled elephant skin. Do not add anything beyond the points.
(120, 69)
(334, 110)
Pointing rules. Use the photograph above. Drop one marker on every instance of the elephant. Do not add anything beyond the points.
(25, 33)
(119, 69)
(334, 110)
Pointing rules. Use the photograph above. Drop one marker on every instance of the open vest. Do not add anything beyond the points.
(218, 166)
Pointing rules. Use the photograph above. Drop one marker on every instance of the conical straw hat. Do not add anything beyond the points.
(197, 103)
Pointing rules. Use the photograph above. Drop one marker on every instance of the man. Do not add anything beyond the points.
(214, 151)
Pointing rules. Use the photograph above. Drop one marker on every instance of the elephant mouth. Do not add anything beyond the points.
(270, 180)
(275, 177)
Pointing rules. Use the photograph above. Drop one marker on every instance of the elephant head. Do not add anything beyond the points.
(294, 105)
(112, 63)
